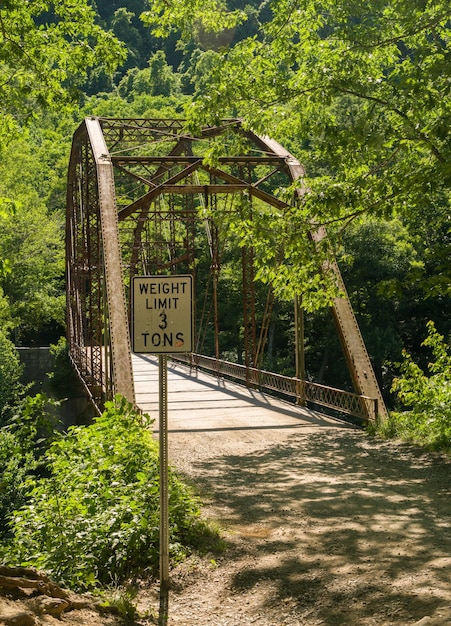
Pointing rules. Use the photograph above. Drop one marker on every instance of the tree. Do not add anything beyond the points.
(386, 67)
(187, 17)
(361, 94)
(158, 79)
(10, 372)
(32, 240)
(125, 30)
(45, 51)
(426, 395)
(380, 265)
(31, 235)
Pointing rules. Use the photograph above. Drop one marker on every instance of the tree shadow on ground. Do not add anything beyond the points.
(340, 526)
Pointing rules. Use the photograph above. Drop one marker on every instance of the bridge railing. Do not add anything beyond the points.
(302, 391)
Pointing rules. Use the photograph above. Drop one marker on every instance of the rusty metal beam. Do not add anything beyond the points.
(251, 189)
(183, 158)
(119, 330)
(147, 198)
(170, 186)
(160, 229)
(354, 348)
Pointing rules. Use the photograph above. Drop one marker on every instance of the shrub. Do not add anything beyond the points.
(64, 381)
(10, 373)
(95, 519)
(22, 443)
(14, 468)
(428, 396)
(35, 424)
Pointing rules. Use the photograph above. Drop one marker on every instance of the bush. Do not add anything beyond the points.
(95, 519)
(22, 443)
(64, 381)
(35, 424)
(428, 396)
(14, 468)
(10, 373)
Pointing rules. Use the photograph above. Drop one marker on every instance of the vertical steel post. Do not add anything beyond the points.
(164, 491)
(299, 350)
(249, 331)
(215, 276)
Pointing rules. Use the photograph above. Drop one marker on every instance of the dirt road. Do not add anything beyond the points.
(323, 525)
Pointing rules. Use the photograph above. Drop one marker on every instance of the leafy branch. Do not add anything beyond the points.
(421, 136)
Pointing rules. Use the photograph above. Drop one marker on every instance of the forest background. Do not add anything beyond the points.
(360, 96)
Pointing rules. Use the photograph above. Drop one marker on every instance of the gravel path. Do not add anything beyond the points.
(323, 524)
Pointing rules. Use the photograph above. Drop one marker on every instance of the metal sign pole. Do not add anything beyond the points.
(164, 492)
(162, 323)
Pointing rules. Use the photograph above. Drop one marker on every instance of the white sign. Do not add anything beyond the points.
(162, 314)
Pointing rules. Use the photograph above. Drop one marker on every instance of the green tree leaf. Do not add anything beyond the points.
(46, 49)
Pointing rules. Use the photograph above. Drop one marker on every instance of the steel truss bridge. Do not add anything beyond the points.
(146, 197)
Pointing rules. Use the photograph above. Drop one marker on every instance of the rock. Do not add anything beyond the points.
(423, 621)
(23, 572)
(23, 578)
(18, 619)
(50, 606)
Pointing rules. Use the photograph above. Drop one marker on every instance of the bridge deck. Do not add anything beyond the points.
(207, 406)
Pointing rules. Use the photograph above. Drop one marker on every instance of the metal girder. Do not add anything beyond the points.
(166, 191)
(358, 360)
(232, 184)
(120, 340)
(97, 318)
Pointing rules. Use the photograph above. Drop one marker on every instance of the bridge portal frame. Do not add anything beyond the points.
(97, 310)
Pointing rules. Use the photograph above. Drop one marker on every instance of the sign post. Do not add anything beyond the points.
(164, 491)
(162, 323)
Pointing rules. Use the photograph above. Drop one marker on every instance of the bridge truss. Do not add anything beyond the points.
(144, 196)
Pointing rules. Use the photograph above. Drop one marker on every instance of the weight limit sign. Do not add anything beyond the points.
(162, 319)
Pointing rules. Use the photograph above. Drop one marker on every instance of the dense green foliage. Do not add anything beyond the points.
(45, 50)
(426, 395)
(93, 516)
(10, 372)
(360, 94)
(32, 232)
(15, 466)
(27, 430)
(361, 153)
